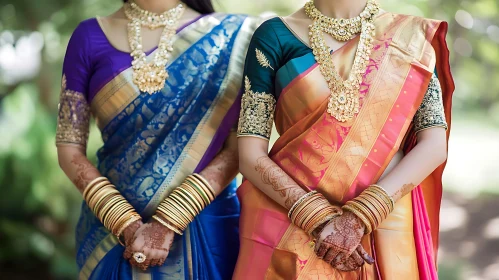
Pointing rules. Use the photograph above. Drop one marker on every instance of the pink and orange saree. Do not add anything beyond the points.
(341, 159)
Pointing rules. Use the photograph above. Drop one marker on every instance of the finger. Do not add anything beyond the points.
(363, 253)
(322, 250)
(154, 262)
(162, 262)
(357, 259)
(330, 255)
(348, 265)
(340, 259)
(127, 254)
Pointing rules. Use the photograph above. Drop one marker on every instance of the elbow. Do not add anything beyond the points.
(243, 164)
(442, 156)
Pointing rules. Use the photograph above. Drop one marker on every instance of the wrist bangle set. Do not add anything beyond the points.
(180, 208)
(372, 207)
(311, 211)
(112, 209)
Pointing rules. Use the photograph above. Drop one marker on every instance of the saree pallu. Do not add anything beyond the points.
(341, 159)
(152, 142)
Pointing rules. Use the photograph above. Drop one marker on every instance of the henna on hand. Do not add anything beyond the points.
(152, 239)
(85, 171)
(339, 240)
(407, 188)
(281, 182)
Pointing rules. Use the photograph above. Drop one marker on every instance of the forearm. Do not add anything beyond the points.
(269, 177)
(76, 166)
(414, 168)
(221, 170)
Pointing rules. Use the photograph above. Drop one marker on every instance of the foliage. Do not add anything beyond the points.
(40, 207)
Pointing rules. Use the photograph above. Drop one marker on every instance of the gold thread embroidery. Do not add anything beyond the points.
(431, 111)
(257, 113)
(74, 117)
(262, 59)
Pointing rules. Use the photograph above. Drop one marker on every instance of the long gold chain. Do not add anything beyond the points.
(150, 76)
(344, 98)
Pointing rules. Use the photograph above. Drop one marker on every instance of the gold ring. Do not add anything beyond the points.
(139, 257)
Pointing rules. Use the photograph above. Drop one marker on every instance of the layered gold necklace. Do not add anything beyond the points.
(150, 76)
(344, 98)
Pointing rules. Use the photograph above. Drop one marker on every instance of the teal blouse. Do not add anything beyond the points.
(274, 45)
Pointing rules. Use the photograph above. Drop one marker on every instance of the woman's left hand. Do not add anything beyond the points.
(339, 243)
(153, 240)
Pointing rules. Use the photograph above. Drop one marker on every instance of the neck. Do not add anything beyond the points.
(340, 8)
(157, 6)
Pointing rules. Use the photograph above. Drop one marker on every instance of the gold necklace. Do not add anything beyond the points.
(150, 76)
(344, 98)
(342, 29)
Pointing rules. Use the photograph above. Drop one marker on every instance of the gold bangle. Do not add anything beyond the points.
(198, 200)
(378, 204)
(197, 184)
(175, 215)
(299, 201)
(100, 195)
(164, 223)
(189, 199)
(187, 210)
(89, 185)
(381, 201)
(133, 218)
(363, 206)
(209, 189)
(359, 214)
(385, 194)
(94, 189)
(310, 207)
(300, 208)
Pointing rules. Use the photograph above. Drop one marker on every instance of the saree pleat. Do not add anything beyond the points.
(152, 142)
(341, 159)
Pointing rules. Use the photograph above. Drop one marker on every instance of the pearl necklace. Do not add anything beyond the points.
(150, 77)
(344, 98)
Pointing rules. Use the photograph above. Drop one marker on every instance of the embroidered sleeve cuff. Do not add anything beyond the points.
(431, 112)
(73, 119)
(257, 113)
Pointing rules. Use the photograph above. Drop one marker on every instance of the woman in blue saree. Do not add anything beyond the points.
(158, 127)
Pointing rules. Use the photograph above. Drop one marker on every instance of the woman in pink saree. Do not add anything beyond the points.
(391, 146)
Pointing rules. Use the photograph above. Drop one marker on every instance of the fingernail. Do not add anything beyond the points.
(370, 260)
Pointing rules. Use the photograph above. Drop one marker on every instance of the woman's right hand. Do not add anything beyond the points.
(339, 243)
(154, 241)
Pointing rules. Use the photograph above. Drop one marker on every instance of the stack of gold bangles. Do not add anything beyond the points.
(112, 209)
(180, 208)
(372, 206)
(311, 211)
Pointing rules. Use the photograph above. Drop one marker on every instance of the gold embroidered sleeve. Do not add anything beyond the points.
(257, 113)
(73, 119)
(431, 111)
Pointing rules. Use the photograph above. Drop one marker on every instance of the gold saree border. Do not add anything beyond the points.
(108, 243)
(207, 128)
(118, 93)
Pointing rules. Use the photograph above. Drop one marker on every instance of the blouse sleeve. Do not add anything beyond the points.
(431, 111)
(258, 101)
(74, 111)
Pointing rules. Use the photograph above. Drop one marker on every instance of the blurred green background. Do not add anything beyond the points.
(39, 206)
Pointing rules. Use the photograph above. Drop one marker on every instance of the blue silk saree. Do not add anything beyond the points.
(152, 142)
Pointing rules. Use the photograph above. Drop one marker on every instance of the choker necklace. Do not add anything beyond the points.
(344, 98)
(150, 76)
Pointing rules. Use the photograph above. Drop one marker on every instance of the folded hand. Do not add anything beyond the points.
(339, 243)
(153, 240)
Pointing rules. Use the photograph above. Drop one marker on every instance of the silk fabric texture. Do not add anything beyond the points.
(341, 159)
(152, 142)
